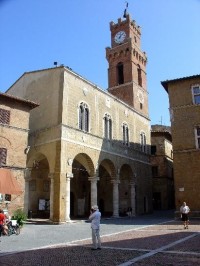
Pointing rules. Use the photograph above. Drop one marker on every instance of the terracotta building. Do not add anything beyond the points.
(162, 167)
(87, 145)
(184, 100)
(14, 128)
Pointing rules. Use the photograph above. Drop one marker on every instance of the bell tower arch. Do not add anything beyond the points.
(127, 65)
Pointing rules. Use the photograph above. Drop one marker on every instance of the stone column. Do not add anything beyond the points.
(27, 177)
(115, 183)
(67, 212)
(93, 181)
(51, 176)
(132, 184)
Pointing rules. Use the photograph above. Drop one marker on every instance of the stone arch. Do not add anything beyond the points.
(109, 167)
(107, 173)
(86, 161)
(80, 189)
(126, 176)
(38, 189)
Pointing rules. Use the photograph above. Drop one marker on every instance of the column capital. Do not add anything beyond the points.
(115, 181)
(69, 175)
(132, 183)
(51, 175)
(93, 178)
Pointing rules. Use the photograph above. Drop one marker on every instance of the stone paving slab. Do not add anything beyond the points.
(73, 256)
(175, 225)
(191, 245)
(161, 259)
(166, 244)
(148, 238)
(140, 239)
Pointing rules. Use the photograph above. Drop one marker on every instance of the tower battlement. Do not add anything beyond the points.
(127, 20)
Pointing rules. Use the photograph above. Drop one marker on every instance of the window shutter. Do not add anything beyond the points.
(3, 156)
(4, 116)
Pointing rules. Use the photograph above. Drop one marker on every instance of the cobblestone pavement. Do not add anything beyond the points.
(136, 241)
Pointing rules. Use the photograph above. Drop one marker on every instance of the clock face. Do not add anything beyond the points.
(120, 36)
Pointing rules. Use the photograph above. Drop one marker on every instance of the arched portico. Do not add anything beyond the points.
(126, 190)
(82, 186)
(108, 199)
(37, 187)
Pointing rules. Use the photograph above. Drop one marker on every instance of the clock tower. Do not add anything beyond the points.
(127, 65)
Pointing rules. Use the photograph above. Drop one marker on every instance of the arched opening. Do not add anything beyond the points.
(80, 186)
(105, 188)
(39, 188)
(120, 73)
(139, 76)
(125, 196)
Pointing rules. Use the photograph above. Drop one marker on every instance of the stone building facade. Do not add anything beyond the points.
(14, 128)
(90, 146)
(184, 100)
(162, 167)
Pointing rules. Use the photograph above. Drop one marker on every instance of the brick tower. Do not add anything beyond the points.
(127, 65)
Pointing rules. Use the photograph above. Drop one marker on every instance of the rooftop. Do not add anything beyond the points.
(14, 98)
(167, 82)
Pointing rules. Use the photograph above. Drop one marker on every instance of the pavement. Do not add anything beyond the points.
(153, 240)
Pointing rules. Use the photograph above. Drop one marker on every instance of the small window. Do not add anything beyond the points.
(5, 198)
(125, 135)
(135, 39)
(196, 94)
(3, 156)
(153, 150)
(4, 116)
(107, 127)
(197, 135)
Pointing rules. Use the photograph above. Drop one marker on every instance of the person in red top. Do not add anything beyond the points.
(2, 221)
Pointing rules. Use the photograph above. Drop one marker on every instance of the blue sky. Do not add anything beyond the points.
(36, 33)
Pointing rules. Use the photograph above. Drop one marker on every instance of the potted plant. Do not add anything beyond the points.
(20, 216)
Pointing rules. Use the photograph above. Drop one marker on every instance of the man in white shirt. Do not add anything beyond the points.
(95, 217)
(184, 210)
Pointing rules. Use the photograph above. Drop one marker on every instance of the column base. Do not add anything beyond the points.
(115, 216)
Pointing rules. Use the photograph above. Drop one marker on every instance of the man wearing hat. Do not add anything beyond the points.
(95, 217)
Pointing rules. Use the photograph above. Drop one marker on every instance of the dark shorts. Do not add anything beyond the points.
(1, 229)
(184, 217)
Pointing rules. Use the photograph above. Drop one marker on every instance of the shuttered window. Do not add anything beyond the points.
(4, 116)
(3, 155)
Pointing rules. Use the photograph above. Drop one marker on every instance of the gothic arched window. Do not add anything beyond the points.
(120, 73)
(84, 117)
(125, 135)
(143, 142)
(107, 127)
